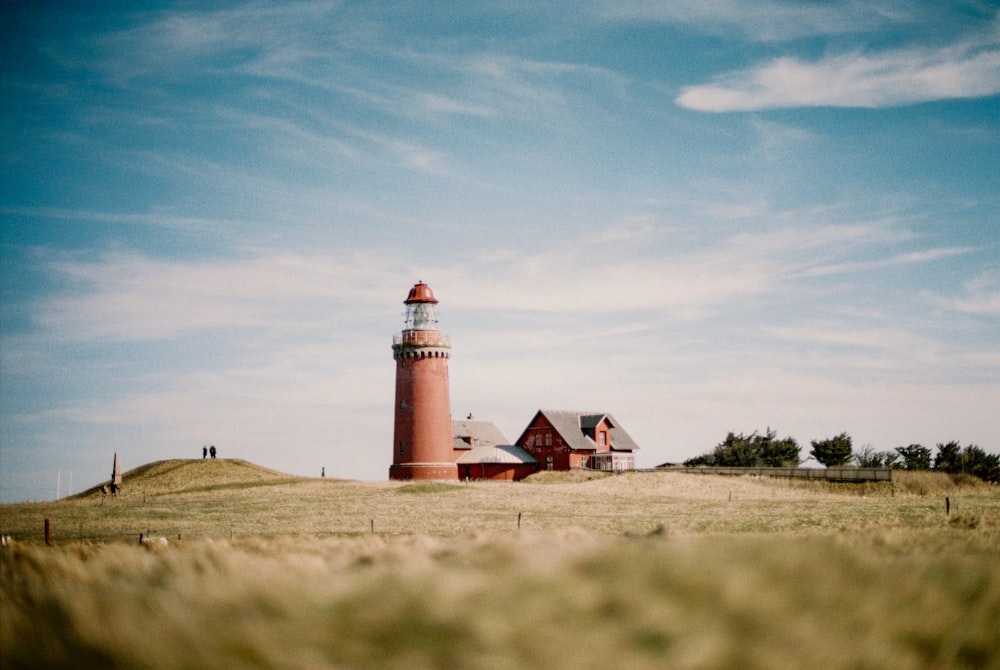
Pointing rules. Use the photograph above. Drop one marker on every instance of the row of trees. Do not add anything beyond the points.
(767, 450)
(751, 451)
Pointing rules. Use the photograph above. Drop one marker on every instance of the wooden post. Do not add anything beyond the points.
(947, 506)
(48, 532)
(519, 520)
(373, 526)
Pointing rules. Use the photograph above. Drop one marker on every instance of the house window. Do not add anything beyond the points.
(548, 439)
(604, 438)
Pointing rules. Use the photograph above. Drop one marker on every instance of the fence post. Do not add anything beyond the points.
(48, 533)
(947, 506)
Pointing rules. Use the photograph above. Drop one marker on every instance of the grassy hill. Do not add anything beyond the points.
(182, 475)
(227, 498)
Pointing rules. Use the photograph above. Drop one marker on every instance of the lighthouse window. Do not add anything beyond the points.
(402, 404)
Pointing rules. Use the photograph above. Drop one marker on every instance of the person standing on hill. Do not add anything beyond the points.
(204, 452)
(211, 450)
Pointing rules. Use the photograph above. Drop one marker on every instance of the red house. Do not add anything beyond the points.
(561, 440)
(482, 452)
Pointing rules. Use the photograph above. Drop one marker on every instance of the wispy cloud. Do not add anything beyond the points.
(127, 296)
(360, 54)
(840, 333)
(887, 79)
(909, 258)
(128, 218)
(771, 20)
(124, 295)
(171, 41)
(982, 297)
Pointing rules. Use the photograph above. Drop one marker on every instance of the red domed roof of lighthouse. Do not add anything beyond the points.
(420, 292)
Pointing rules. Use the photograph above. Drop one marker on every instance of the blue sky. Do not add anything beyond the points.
(699, 216)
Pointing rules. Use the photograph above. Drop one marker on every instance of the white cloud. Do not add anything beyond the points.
(887, 79)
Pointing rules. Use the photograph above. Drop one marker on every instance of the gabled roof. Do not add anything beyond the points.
(501, 453)
(577, 429)
(469, 433)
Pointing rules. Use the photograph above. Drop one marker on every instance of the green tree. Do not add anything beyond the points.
(949, 458)
(775, 453)
(833, 451)
(869, 458)
(748, 451)
(979, 463)
(915, 457)
(890, 459)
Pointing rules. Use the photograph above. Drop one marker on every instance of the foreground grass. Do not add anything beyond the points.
(567, 599)
(633, 571)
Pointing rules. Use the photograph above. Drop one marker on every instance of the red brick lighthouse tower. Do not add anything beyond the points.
(422, 440)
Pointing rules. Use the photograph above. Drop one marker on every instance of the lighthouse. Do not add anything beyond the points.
(422, 440)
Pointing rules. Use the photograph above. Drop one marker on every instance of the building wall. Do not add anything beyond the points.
(613, 462)
(602, 436)
(543, 442)
(496, 471)
(422, 440)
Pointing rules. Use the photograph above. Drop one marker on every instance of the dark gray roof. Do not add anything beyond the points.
(500, 453)
(469, 433)
(577, 429)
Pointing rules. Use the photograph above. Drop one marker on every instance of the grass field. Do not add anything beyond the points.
(629, 571)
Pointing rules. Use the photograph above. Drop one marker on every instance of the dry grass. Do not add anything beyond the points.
(631, 571)
(566, 599)
(225, 499)
(926, 483)
(565, 476)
